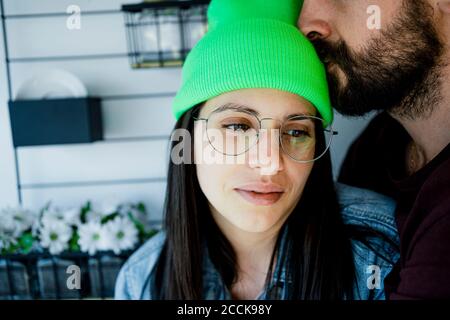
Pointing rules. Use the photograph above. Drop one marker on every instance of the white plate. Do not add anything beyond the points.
(51, 84)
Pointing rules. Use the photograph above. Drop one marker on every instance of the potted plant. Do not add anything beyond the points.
(38, 248)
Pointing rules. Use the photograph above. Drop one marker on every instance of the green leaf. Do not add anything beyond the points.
(26, 242)
(109, 217)
(73, 242)
(139, 226)
(45, 208)
(13, 248)
(150, 234)
(141, 207)
(84, 210)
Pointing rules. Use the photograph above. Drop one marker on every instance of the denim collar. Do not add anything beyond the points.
(215, 289)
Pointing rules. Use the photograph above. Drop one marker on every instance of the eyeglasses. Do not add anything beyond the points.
(234, 132)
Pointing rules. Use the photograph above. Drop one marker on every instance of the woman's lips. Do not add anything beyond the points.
(260, 199)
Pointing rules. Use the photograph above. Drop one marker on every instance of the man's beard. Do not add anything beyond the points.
(399, 71)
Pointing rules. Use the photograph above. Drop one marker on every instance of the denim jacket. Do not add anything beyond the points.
(360, 207)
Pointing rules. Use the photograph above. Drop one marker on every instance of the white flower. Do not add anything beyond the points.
(100, 210)
(50, 215)
(15, 221)
(106, 208)
(72, 216)
(124, 209)
(94, 216)
(122, 234)
(92, 237)
(55, 235)
(6, 240)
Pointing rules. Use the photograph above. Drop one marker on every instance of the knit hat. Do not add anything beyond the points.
(253, 44)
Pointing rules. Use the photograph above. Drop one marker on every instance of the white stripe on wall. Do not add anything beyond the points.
(99, 34)
(130, 118)
(105, 77)
(14, 7)
(93, 162)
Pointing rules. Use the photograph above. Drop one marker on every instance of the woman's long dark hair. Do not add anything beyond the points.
(317, 254)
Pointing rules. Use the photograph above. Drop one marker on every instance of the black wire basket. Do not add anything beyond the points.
(46, 276)
(162, 33)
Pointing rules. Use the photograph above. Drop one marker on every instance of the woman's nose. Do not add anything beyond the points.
(314, 20)
(266, 154)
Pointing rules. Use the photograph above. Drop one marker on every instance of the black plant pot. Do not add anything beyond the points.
(13, 281)
(55, 121)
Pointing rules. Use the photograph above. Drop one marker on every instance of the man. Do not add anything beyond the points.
(401, 69)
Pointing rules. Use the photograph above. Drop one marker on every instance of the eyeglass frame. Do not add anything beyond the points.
(331, 131)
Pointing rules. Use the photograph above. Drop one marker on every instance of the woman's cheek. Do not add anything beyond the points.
(212, 179)
(298, 177)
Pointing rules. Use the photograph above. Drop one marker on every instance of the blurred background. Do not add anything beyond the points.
(85, 100)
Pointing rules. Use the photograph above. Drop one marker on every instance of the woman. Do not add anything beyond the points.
(257, 215)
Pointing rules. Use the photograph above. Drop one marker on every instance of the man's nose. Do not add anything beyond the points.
(314, 20)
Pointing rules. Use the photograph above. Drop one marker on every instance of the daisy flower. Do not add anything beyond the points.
(101, 210)
(122, 234)
(72, 216)
(92, 237)
(55, 236)
(16, 220)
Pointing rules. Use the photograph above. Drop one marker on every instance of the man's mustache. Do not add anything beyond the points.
(337, 53)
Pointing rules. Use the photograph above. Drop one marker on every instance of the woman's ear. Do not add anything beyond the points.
(444, 6)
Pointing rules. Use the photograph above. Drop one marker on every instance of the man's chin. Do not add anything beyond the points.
(346, 105)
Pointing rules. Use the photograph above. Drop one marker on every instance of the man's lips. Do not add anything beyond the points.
(330, 66)
(260, 194)
(328, 63)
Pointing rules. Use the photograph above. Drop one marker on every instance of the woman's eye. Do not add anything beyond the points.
(297, 133)
(237, 127)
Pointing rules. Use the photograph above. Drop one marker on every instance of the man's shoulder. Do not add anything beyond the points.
(438, 181)
(433, 199)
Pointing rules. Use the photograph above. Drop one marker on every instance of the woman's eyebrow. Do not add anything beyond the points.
(303, 114)
(247, 109)
(238, 107)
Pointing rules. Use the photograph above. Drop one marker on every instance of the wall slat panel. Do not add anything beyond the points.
(14, 7)
(93, 162)
(42, 37)
(137, 117)
(107, 77)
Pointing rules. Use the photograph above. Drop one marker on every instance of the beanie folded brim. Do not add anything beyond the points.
(254, 53)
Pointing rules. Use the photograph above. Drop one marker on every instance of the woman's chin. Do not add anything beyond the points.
(255, 221)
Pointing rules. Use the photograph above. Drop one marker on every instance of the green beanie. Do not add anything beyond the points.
(253, 44)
